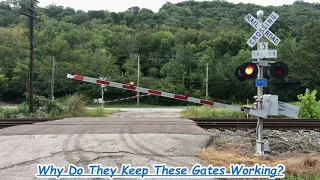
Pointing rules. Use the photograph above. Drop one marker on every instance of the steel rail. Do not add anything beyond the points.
(208, 123)
(7, 122)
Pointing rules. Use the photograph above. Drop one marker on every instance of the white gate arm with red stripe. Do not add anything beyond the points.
(153, 92)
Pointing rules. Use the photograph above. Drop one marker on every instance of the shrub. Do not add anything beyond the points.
(75, 106)
(309, 106)
(23, 109)
(10, 112)
(43, 107)
(38, 102)
(53, 109)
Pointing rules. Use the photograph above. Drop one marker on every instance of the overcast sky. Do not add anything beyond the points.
(154, 5)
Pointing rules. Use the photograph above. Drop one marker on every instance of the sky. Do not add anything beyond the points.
(154, 5)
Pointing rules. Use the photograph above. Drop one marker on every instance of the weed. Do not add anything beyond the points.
(75, 106)
(209, 112)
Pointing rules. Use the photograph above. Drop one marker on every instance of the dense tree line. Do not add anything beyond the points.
(174, 45)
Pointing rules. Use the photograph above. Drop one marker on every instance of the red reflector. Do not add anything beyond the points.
(129, 87)
(79, 78)
(207, 102)
(103, 82)
(154, 92)
(180, 97)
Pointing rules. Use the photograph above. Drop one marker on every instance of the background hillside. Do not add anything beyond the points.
(174, 46)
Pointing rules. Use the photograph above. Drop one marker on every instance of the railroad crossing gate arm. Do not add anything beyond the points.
(288, 110)
(153, 92)
(256, 112)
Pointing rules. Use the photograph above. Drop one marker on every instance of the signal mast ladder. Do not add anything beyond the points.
(284, 109)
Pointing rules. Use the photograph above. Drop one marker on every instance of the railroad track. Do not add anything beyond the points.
(207, 123)
(7, 122)
(312, 124)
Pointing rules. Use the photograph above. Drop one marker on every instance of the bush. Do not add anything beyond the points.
(309, 106)
(38, 102)
(53, 109)
(23, 109)
(75, 106)
(9, 112)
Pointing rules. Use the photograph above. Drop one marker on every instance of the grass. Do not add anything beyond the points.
(298, 166)
(10, 112)
(100, 112)
(210, 112)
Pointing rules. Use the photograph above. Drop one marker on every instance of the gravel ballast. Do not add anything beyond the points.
(279, 141)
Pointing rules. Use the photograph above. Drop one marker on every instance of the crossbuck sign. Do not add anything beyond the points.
(262, 29)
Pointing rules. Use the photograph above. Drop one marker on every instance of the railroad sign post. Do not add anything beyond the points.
(262, 29)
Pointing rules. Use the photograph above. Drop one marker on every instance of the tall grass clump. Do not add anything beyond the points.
(210, 112)
(75, 106)
(99, 112)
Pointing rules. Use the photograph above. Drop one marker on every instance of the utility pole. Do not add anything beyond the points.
(259, 142)
(52, 78)
(31, 28)
(138, 94)
(207, 79)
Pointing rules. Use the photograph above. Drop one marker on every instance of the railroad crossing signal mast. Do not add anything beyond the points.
(263, 71)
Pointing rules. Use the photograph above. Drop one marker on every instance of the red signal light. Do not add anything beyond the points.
(73, 72)
(249, 70)
(278, 70)
(131, 83)
(246, 71)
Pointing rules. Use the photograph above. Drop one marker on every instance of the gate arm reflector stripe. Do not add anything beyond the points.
(153, 92)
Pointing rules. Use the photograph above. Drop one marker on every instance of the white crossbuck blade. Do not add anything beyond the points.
(262, 29)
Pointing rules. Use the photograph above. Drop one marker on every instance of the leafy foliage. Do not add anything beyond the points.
(309, 106)
(174, 45)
